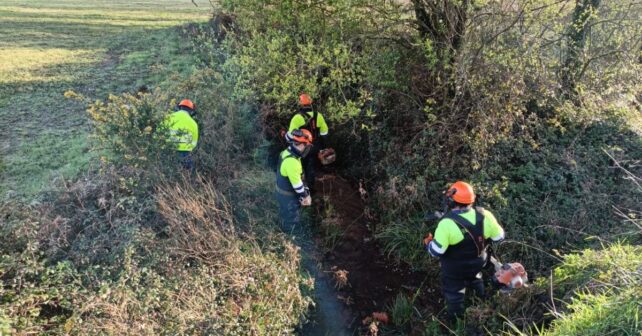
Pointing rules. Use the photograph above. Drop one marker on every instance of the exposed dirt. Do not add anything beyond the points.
(372, 280)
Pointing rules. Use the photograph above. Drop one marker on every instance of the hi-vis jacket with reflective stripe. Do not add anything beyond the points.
(289, 174)
(183, 130)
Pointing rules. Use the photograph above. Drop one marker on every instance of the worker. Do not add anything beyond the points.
(291, 189)
(183, 131)
(310, 119)
(460, 242)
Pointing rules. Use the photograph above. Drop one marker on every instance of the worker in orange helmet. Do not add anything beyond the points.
(183, 131)
(460, 242)
(309, 119)
(291, 189)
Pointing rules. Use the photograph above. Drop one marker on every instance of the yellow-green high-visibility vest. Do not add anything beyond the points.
(183, 130)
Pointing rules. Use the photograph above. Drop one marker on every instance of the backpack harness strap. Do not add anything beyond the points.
(310, 121)
(476, 232)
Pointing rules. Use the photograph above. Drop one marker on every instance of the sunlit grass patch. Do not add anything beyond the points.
(106, 21)
(38, 162)
(93, 47)
(22, 65)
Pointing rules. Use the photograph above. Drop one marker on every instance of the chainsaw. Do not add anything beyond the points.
(509, 276)
(327, 156)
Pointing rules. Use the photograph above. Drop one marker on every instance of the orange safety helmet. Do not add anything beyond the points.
(301, 136)
(305, 99)
(461, 192)
(187, 103)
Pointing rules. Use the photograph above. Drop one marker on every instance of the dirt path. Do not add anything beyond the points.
(372, 280)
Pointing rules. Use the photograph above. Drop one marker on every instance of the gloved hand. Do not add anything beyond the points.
(427, 239)
(306, 201)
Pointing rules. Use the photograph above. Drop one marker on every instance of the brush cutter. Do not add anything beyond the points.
(327, 156)
(509, 276)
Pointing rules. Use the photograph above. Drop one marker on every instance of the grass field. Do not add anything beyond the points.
(89, 46)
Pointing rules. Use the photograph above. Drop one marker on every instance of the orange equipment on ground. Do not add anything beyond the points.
(327, 156)
(511, 275)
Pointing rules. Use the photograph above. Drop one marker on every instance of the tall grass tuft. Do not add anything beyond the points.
(199, 220)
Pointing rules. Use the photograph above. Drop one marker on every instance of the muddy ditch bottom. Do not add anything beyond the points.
(353, 279)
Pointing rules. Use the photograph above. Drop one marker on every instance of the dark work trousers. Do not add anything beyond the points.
(310, 163)
(454, 289)
(289, 212)
(186, 160)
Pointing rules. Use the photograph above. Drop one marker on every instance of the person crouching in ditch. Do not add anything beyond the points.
(460, 243)
(183, 132)
(291, 190)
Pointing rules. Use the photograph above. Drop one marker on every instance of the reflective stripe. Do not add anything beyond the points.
(322, 133)
(298, 185)
(498, 238)
(435, 250)
(182, 130)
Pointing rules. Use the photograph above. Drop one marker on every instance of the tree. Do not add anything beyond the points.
(577, 35)
(444, 23)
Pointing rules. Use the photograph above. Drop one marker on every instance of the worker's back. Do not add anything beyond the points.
(183, 130)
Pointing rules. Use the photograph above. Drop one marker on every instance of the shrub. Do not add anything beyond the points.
(130, 129)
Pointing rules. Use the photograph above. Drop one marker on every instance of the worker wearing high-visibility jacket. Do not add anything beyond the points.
(291, 190)
(460, 242)
(183, 131)
(309, 119)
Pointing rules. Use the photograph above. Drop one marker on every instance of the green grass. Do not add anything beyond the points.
(402, 310)
(597, 292)
(91, 47)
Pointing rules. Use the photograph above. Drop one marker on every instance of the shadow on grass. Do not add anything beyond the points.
(44, 135)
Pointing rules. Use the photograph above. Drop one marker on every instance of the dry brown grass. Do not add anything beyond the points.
(199, 220)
